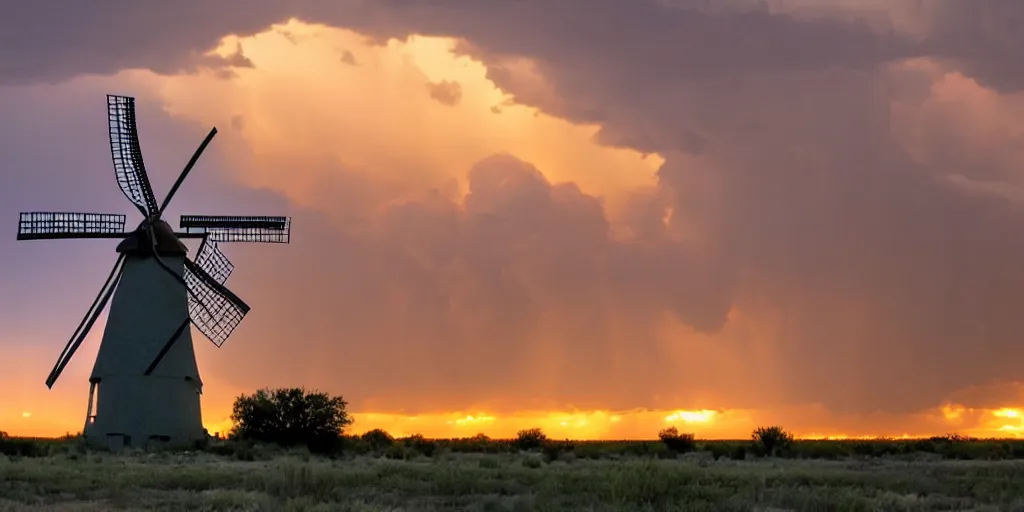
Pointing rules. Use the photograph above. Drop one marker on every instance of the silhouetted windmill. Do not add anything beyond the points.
(145, 383)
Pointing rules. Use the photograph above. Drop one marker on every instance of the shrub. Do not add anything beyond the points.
(418, 443)
(553, 450)
(676, 442)
(396, 452)
(291, 417)
(532, 462)
(772, 440)
(530, 439)
(378, 439)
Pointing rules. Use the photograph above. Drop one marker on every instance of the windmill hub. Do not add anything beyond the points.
(145, 383)
(140, 241)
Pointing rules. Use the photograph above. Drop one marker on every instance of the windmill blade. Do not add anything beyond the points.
(87, 322)
(188, 168)
(57, 225)
(124, 148)
(210, 259)
(214, 309)
(239, 228)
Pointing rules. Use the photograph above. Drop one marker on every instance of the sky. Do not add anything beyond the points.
(597, 217)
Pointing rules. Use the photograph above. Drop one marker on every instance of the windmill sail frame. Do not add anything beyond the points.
(238, 228)
(61, 225)
(126, 153)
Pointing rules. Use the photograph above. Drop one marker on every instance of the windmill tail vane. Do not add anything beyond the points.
(212, 307)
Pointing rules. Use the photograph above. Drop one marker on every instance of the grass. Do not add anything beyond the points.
(493, 475)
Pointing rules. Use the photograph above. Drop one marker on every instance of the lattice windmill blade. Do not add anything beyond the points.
(215, 310)
(213, 261)
(127, 154)
(60, 225)
(235, 228)
(106, 291)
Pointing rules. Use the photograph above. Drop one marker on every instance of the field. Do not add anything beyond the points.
(484, 475)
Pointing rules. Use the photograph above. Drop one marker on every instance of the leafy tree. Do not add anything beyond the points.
(291, 417)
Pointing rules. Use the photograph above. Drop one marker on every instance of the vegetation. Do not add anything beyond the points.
(604, 476)
(772, 441)
(289, 452)
(291, 417)
(679, 443)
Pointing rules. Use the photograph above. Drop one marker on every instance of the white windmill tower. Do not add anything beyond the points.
(145, 384)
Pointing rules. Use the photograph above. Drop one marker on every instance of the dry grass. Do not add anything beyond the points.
(503, 482)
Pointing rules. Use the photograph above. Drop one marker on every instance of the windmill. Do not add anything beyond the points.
(145, 383)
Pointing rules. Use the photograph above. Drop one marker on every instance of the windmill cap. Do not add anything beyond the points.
(138, 241)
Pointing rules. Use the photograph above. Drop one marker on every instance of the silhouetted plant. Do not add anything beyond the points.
(378, 439)
(420, 444)
(530, 439)
(396, 452)
(772, 440)
(554, 450)
(676, 442)
(291, 417)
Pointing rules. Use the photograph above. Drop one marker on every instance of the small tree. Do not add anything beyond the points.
(530, 438)
(676, 442)
(772, 440)
(291, 417)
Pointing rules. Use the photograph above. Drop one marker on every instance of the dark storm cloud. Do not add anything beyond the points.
(893, 289)
(55, 40)
(889, 287)
(986, 39)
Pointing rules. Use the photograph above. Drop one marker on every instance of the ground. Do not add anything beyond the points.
(66, 481)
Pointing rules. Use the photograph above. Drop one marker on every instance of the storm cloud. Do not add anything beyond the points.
(837, 220)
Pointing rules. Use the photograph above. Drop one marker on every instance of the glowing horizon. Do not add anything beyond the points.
(1001, 423)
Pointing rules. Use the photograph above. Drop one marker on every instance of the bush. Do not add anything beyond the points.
(530, 439)
(554, 450)
(378, 439)
(291, 417)
(772, 441)
(676, 442)
(419, 444)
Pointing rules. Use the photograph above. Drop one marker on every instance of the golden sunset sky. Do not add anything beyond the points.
(599, 218)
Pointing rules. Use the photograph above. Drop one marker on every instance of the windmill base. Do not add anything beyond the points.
(142, 411)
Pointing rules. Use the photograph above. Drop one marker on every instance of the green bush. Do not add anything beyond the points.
(772, 441)
(676, 442)
(291, 417)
